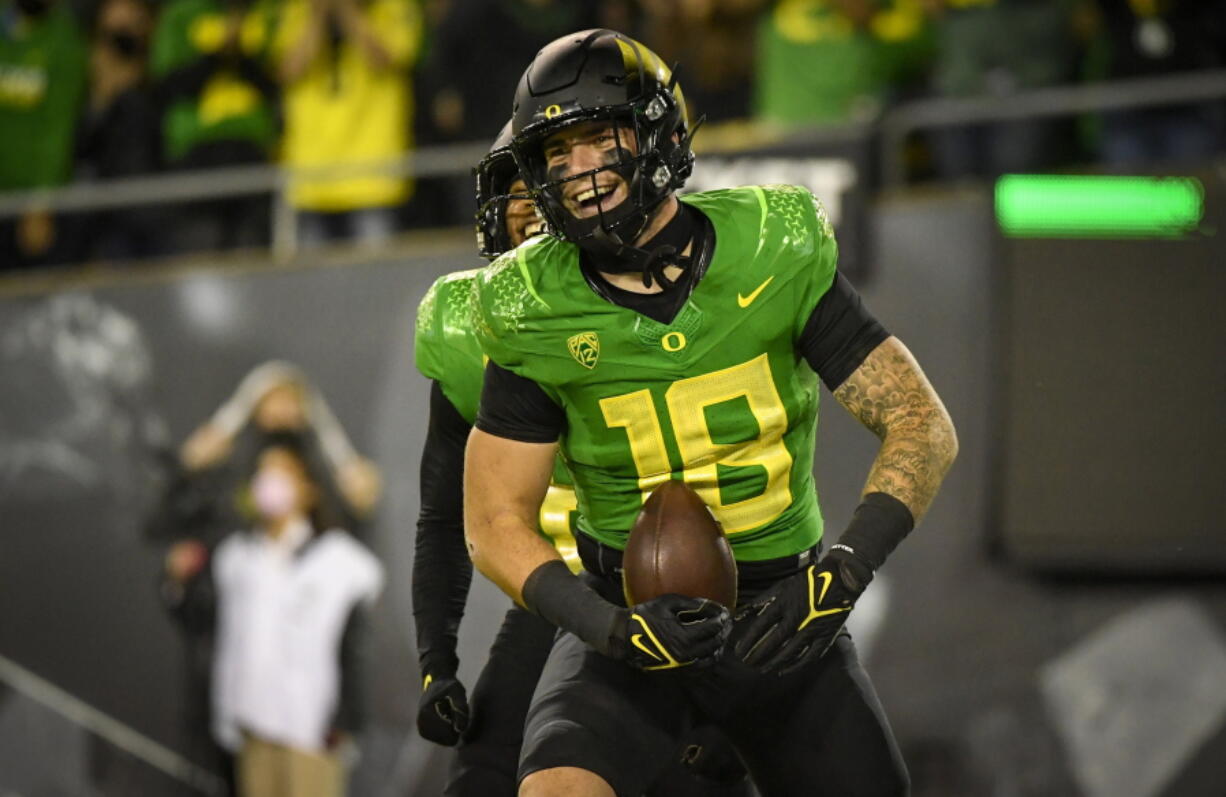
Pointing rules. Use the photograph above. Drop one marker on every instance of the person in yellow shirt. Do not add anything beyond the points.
(345, 67)
(208, 59)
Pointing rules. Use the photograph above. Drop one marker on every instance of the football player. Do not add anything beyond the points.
(660, 338)
(488, 731)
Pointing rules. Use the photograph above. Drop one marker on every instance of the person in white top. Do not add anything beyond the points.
(197, 506)
(289, 597)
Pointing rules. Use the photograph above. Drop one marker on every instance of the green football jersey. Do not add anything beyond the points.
(720, 398)
(446, 351)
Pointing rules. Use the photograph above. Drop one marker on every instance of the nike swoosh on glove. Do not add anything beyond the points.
(672, 631)
(442, 710)
(800, 616)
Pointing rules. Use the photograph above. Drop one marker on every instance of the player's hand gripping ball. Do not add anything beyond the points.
(680, 582)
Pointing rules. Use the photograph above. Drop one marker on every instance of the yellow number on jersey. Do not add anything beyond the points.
(559, 502)
(687, 400)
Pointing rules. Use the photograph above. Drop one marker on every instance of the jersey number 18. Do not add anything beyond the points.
(688, 401)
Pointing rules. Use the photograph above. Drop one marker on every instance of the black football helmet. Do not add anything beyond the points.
(495, 174)
(602, 75)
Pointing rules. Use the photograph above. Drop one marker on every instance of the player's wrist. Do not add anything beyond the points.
(439, 665)
(618, 646)
(557, 595)
(853, 572)
(879, 523)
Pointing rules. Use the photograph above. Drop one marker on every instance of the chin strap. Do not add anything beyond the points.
(616, 257)
(660, 259)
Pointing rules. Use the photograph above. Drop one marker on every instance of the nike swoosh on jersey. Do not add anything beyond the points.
(745, 301)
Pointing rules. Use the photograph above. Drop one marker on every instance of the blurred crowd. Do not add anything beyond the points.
(100, 89)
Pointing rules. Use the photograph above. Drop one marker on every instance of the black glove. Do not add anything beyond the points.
(801, 615)
(442, 710)
(671, 631)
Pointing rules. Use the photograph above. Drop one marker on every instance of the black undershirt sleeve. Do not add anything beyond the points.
(839, 334)
(517, 408)
(442, 571)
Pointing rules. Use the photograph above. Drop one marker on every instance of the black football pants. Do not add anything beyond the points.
(818, 732)
(487, 758)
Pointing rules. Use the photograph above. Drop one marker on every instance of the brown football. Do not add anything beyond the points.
(677, 546)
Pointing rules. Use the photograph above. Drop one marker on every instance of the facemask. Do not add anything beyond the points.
(274, 493)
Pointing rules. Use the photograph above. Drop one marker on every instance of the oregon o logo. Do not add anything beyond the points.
(673, 341)
(552, 111)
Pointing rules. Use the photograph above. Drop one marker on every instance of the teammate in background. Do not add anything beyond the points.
(447, 353)
(659, 338)
(488, 732)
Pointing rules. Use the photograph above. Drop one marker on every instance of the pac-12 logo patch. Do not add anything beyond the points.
(585, 348)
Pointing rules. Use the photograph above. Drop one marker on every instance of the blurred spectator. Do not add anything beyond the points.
(203, 500)
(275, 397)
(831, 61)
(471, 101)
(463, 99)
(118, 133)
(1143, 38)
(998, 48)
(345, 68)
(220, 109)
(287, 600)
(42, 75)
(709, 37)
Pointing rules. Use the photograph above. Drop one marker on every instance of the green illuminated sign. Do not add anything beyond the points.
(1090, 206)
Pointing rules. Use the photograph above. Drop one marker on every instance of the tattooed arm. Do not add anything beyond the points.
(890, 395)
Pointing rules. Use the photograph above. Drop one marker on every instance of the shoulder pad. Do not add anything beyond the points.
(448, 303)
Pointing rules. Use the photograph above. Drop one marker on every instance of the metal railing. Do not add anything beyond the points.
(235, 181)
(116, 733)
(900, 122)
(893, 127)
